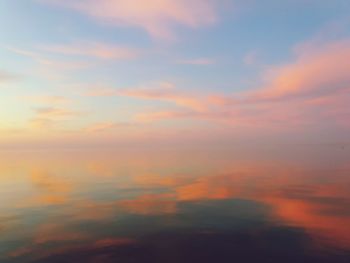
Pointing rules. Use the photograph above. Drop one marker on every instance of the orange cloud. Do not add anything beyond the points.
(48, 117)
(53, 112)
(157, 17)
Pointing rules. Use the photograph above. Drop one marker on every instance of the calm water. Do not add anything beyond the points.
(242, 205)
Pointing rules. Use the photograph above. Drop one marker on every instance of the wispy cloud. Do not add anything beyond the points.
(314, 74)
(53, 63)
(197, 61)
(311, 90)
(7, 77)
(42, 99)
(165, 115)
(180, 99)
(314, 89)
(166, 92)
(157, 17)
(53, 112)
(93, 50)
(251, 58)
(48, 117)
(108, 126)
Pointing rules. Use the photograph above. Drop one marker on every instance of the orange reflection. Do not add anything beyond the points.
(49, 233)
(155, 185)
(324, 213)
(207, 188)
(49, 189)
(151, 205)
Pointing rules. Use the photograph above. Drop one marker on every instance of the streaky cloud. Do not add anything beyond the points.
(156, 17)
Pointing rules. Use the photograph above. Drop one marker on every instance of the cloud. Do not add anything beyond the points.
(23, 52)
(163, 115)
(53, 112)
(53, 64)
(172, 96)
(7, 77)
(42, 99)
(156, 17)
(310, 92)
(93, 50)
(251, 58)
(197, 61)
(314, 89)
(316, 73)
(106, 126)
(63, 65)
(47, 117)
(56, 61)
(162, 92)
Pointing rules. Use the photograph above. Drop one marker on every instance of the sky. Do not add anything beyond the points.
(105, 72)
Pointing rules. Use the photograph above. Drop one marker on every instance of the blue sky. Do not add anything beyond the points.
(117, 69)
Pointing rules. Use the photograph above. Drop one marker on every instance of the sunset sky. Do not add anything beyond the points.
(133, 71)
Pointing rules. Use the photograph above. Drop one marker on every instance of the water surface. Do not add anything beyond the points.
(237, 205)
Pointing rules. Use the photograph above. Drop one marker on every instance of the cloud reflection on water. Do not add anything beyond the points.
(101, 207)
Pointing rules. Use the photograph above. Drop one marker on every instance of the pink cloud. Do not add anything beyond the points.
(157, 17)
(315, 73)
(172, 96)
(312, 90)
(164, 115)
(162, 92)
(94, 50)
